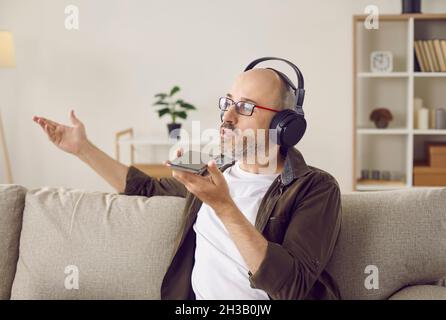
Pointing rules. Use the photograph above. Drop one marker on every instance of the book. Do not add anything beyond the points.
(424, 56)
(433, 55)
(419, 56)
(443, 48)
(428, 56)
(440, 55)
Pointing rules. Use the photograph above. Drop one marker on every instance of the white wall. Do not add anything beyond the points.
(126, 51)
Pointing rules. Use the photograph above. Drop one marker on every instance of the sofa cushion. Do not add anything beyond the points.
(91, 245)
(420, 293)
(400, 232)
(12, 201)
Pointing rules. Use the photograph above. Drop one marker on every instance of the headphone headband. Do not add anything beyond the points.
(299, 91)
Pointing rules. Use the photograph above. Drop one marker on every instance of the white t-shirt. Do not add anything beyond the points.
(220, 271)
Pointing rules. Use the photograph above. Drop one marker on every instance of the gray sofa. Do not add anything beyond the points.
(60, 243)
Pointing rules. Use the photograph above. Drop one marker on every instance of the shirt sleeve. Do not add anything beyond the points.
(289, 270)
(140, 184)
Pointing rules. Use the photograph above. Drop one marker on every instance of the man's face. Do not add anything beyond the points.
(260, 87)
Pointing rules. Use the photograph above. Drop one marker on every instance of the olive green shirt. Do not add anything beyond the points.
(299, 216)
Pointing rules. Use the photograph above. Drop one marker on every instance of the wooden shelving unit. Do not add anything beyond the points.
(396, 148)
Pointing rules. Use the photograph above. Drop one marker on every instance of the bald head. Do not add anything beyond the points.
(264, 87)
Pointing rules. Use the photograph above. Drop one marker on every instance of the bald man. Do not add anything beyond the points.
(250, 230)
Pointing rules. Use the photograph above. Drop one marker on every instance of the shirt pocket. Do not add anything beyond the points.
(276, 228)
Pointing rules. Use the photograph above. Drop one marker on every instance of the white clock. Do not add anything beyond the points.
(381, 61)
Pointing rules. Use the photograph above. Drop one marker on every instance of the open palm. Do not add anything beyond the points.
(67, 138)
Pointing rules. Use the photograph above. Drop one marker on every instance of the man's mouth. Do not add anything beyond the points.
(227, 133)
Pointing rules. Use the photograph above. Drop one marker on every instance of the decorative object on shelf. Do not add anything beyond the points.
(385, 175)
(440, 118)
(365, 174)
(432, 119)
(375, 174)
(384, 178)
(411, 6)
(417, 105)
(433, 171)
(176, 108)
(381, 117)
(7, 60)
(423, 118)
(381, 61)
(436, 154)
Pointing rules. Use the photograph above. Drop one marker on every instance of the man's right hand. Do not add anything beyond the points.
(69, 139)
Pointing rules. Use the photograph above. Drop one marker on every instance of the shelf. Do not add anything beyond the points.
(403, 17)
(381, 131)
(429, 132)
(383, 75)
(429, 74)
(401, 74)
(367, 187)
(401, 131)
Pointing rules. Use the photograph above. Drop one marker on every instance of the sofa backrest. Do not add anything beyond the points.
(12, 200)
(390, 240)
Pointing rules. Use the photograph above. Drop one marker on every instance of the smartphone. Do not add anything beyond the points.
(196, 162)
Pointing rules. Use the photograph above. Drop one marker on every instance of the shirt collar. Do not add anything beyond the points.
(294, 166)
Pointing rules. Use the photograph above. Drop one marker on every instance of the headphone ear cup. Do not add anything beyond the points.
(221, 115)
(290, 127)
(294, 131)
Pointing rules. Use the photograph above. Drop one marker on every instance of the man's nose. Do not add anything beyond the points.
(230, 115)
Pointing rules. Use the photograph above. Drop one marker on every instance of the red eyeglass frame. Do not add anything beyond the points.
(254, 106)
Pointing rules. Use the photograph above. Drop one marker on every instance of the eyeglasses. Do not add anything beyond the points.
(241, 107)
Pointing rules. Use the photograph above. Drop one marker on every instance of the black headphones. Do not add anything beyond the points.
(290, 124)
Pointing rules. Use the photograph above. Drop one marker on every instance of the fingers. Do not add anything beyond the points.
(43, 121)
(48, 126)
(74, 119)
(178, 152)
(187, 178)
(215, 173)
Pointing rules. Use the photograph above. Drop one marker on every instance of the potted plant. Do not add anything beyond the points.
(176, 108)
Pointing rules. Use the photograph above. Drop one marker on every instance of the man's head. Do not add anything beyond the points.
(262, 87)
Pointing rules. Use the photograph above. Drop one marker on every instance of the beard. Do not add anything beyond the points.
(238, 148)
(250, 147)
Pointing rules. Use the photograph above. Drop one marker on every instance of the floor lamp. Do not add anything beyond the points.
(7, 60)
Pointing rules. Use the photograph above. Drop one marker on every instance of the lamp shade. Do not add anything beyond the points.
(7, 57)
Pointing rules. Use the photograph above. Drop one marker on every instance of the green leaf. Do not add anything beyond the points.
(179, 101)
(160, 103)
(162, 112)
(187, 106)
(180, 114)
(161, 95)
(174, 90)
